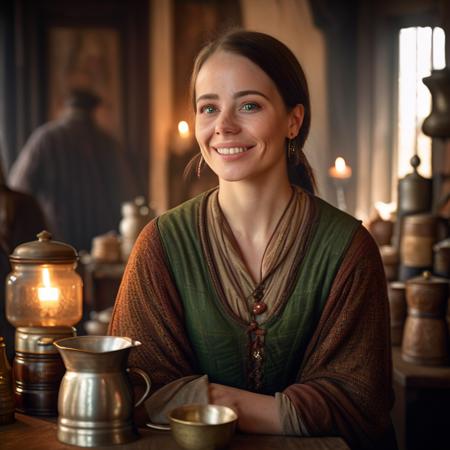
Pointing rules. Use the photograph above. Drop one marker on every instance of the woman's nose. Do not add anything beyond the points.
(226, 123)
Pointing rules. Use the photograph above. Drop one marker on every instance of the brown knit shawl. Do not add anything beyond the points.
(344, 385)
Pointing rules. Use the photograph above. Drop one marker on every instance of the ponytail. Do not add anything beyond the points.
(301, 173)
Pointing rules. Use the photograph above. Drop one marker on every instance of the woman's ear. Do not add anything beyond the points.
(296, 115)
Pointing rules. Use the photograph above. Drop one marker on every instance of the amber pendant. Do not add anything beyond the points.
(259, 308)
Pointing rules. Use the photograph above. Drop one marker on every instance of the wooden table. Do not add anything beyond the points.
(30, 433)
(421, 413)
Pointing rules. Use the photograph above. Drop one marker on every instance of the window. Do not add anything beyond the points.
(420, 50)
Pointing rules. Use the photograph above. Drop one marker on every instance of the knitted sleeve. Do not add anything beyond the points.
(148, 309)
(344, 385)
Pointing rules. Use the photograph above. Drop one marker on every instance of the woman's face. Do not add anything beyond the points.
(241, 121)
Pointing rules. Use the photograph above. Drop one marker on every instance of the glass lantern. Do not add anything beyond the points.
(43, 289)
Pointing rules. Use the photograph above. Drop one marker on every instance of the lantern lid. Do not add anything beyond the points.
(427, 278)
(43, 251)
(414, 175)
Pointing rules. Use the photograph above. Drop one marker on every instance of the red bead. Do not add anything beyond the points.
(259, 308)
(260, 332)
(252, 326)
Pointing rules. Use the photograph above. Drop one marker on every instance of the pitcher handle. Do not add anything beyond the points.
(148, 383)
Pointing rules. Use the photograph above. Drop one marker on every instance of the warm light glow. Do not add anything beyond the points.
(340, 169)
(420, 50)
(340, 165)
(183, 129)
(385, 210)
(48, 295)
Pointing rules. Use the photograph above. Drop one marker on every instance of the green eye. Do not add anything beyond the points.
(208, 109)
(250, 107)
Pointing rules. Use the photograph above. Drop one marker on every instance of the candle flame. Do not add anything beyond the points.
(183, 128)
(340, 170)
(47, 293)
(340, 165)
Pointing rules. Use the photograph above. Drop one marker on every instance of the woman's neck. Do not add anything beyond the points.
(253, 210)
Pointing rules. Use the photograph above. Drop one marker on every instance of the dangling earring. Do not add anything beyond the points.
(199, 166)
(292, 152)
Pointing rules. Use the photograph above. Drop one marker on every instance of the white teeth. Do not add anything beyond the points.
(231, 150)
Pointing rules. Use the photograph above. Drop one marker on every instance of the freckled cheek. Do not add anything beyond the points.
(203, 134)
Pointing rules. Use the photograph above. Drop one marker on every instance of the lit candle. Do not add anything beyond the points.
(340, 170)
(183, 129)
(47, 294)
(182, 139)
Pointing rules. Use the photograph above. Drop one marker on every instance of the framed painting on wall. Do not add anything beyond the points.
(96, 44)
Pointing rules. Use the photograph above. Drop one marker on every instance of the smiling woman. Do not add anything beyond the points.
(258, 295)
(242, 126)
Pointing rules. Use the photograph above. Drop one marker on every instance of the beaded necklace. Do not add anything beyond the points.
(256, 333)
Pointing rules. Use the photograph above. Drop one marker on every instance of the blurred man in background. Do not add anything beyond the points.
(78, 173)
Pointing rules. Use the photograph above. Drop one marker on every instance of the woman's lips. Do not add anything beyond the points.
(231, 150)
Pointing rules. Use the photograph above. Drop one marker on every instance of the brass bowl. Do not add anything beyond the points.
(203, 427)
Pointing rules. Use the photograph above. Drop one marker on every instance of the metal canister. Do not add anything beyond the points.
(420, 232)
(441, 265)
(425, 336)
(414, 191)
(397, 309)
(437, 124)
(38, 369)
(6, 388)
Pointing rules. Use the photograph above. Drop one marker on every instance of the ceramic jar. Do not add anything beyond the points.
(106, 248)
(425, 336)
(381, 231)
(130, 227)
(135, 215)
(441, 264)
(419, 236)
(389, 256)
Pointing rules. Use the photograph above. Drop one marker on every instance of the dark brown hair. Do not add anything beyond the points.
(281, 65)
(83, 99)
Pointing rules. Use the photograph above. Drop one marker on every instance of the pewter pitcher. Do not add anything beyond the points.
(95, 402)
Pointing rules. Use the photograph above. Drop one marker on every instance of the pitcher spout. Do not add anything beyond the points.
(94, 353)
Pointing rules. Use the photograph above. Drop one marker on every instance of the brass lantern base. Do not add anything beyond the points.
(38, 369)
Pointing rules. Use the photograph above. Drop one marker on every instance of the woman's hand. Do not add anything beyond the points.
(257, 413)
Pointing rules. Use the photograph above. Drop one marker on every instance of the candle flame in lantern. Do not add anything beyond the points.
(183, 128)
(47, 293)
